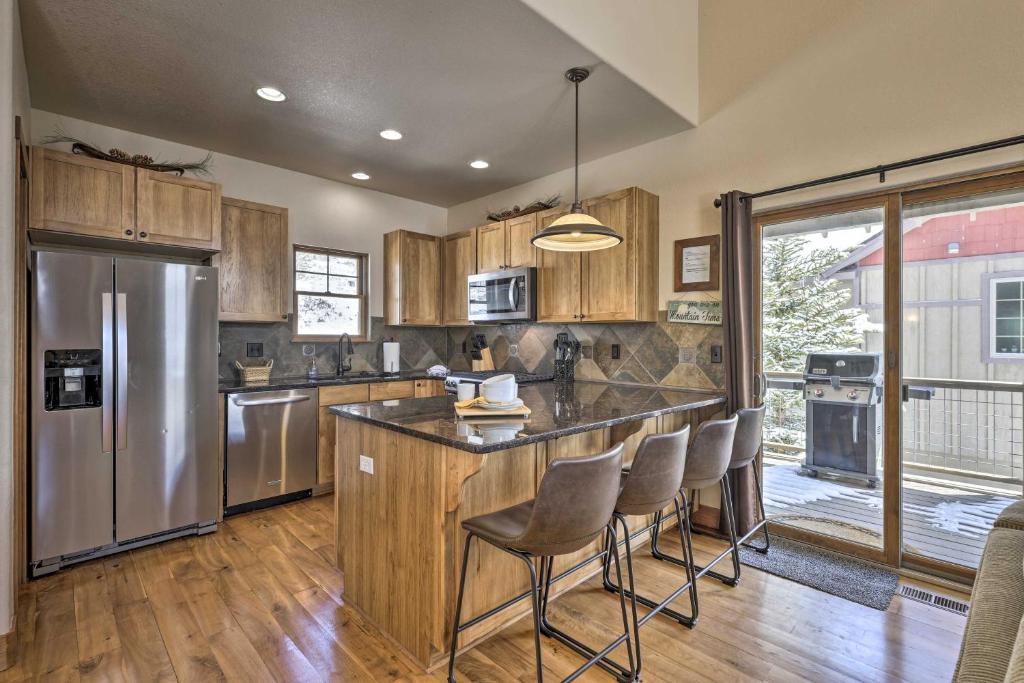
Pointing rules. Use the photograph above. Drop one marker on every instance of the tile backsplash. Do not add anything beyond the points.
(672, 354)
(421, 347)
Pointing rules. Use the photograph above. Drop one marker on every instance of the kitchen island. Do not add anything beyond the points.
(408, 472)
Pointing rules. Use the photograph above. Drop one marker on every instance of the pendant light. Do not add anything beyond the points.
(576, 231)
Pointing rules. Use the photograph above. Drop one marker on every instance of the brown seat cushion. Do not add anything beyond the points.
(997, 606)
(503, 527)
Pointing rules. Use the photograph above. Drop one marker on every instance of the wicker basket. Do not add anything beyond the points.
(255, 373)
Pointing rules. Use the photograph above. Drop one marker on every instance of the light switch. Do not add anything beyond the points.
(366, 464)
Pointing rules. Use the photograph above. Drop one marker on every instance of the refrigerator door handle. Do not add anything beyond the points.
(122, 371)
(108, 372)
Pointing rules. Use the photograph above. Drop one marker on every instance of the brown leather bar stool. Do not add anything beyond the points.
(650, 484)
(744, 450)
(707, 464)
(574, 506)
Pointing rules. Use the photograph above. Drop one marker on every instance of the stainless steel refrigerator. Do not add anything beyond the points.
(124, 404)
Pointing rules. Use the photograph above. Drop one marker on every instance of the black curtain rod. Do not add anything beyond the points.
(881, 170)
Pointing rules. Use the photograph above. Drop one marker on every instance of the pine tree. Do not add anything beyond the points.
(801, 313)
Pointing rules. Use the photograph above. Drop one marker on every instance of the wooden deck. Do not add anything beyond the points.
(261, 600)
(942, 522)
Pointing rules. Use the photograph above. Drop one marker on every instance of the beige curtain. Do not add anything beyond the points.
(737, 314)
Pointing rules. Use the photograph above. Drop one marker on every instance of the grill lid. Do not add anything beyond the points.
(857, 366)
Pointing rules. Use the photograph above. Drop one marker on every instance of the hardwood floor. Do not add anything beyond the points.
(260, 600)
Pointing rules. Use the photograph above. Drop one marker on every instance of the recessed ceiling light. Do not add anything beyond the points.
(390, 134)
(359, 175)
(270, 94)
(479, 163)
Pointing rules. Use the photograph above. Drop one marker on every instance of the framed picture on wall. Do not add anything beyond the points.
(695, 264)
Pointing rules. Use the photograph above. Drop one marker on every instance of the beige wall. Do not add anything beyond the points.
(652, 42)
(803, 88)
(321, 212)
(13, 102)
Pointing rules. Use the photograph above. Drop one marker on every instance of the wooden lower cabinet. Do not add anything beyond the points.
(425, 388)
(390, 391)
(332, 396)
(360, 393)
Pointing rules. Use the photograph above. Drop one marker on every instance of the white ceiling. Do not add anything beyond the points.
(462, 79)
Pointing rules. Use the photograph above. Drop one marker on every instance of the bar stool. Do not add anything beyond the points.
(707, 464)
(651, 483)
(744, 450)
(574, 505)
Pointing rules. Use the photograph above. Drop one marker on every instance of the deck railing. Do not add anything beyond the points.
(961, 427)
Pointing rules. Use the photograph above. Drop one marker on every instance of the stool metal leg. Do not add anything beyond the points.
(761, 525)
(732, 549)
(658, 607)
(458, 627)
(594, 657)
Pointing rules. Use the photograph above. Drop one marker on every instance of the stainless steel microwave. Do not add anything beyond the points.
(503, 295)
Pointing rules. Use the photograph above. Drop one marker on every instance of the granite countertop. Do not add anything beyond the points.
(233, 386)
(558, 410)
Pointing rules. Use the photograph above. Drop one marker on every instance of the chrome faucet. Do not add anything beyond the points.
(345, 351)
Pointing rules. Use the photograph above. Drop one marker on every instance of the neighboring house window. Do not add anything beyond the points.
(1007, 323)
(330, 293)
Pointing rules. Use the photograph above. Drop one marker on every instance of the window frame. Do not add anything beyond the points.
(363, 296)
(990, 281)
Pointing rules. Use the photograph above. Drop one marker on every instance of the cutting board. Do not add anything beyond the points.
(521, 411)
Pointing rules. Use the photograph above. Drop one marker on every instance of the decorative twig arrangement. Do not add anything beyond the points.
(201, 167)
(515, 211)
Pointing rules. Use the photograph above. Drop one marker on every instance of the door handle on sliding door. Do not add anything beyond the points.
(107, 378)
(122, 371)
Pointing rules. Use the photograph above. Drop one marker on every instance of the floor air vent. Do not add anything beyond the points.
(929, 598)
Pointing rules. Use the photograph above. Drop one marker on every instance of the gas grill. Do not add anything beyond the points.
(843, 394)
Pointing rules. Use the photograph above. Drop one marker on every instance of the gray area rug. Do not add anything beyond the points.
(831, 572)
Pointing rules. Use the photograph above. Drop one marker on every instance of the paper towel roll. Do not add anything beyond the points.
(391, 357)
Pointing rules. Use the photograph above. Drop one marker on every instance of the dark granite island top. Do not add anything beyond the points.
(557, 410)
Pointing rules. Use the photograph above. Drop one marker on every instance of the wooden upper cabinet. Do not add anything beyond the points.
(617, 284)
(559, 278)
(506, 244)
(621, 283)
(519, 251)
(74, 194)
(253, 262)
(178, 211)
(412, 278)
(459, 264)
(490, 247)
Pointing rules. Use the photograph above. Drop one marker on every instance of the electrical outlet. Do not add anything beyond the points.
(588, 350)
(616, 351)
(716, 354)
(366, 464)
(254, 349)
(308, 350)
(687, 355)
(513, 350)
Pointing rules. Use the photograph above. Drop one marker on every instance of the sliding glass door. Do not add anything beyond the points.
(891, 330)
(822, 340)
(963, 368)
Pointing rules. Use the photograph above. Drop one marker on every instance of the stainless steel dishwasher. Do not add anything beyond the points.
(271, 448)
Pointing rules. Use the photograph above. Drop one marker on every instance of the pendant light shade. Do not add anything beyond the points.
(576, 231)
